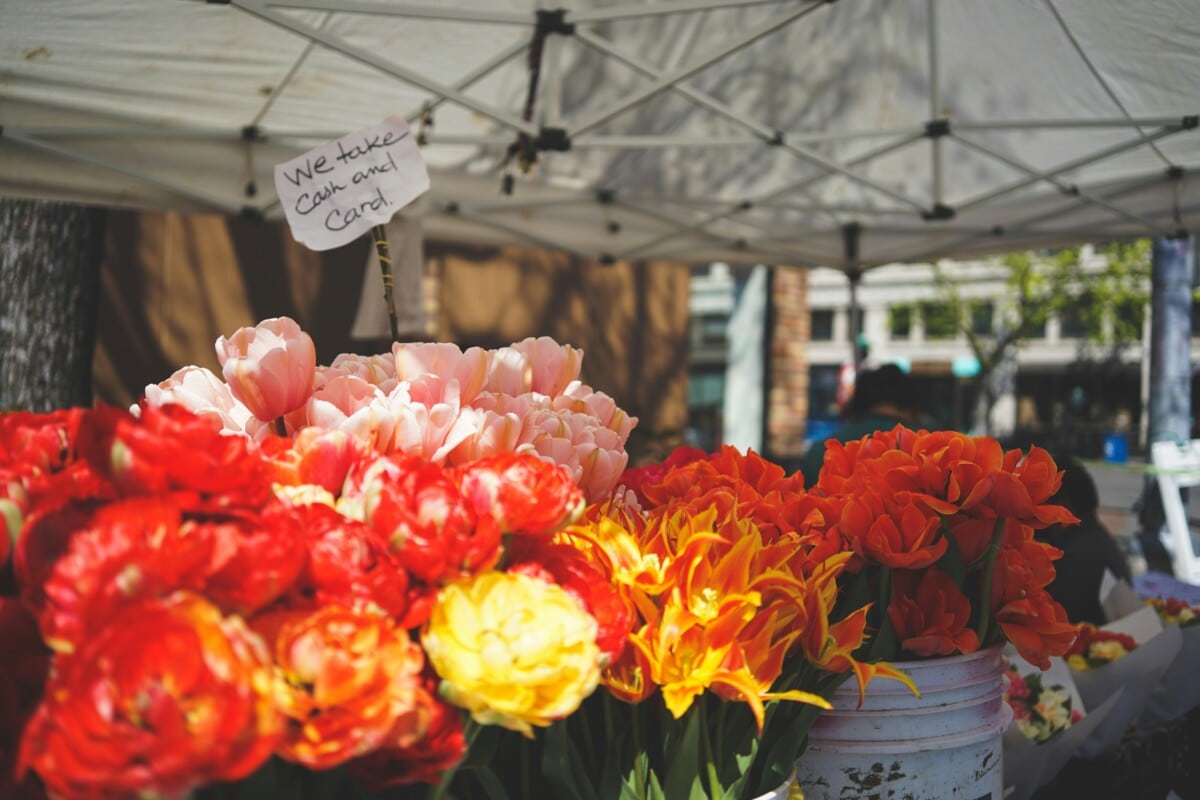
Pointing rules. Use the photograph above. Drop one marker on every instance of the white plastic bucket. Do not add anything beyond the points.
(944, 744)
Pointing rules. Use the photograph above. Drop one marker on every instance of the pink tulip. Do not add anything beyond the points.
(350, 404)
(427, 417)
(553, 365)
(200, 391)
(490, 433)
(583, 399)
(509, 372)
(269, 367)
(377, 370)
(411, 360)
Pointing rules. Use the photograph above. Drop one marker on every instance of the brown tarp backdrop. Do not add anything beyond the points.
(172, 283)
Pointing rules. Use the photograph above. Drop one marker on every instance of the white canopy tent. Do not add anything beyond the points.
(843, 134)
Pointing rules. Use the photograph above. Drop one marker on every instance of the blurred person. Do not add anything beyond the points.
(883, 398)
(1089, 548)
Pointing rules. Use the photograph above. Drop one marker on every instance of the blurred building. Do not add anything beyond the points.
(1068, 390)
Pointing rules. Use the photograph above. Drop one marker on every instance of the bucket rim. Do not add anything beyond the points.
(871, 713)
(900, 690)
(928, 743)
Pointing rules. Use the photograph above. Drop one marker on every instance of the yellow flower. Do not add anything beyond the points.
(513, 650)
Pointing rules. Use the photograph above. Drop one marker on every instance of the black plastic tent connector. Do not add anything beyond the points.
(1071, 191)
(998, 230)
(939, 212)
(554, 20)
(937, 128)
(553, 139)
(251, 189)
(218, 2)
(740, 244)
(1190, 121)
(606, 197)
(1175, 173)
(607, 259)
(613, 227)
(253, 133)
(776, 140)
(745, 205)
(251, 214)
(451, 207)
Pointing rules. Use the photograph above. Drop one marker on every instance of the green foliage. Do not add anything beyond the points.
(1105, 306)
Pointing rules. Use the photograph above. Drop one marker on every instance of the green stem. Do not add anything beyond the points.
(710, 767)
(885, 620)
(989, 572)
(280, 427)
(639, 766)
(471, 732)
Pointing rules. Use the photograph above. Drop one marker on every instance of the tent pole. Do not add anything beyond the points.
(851, 237)
(768, 135)
(1067, 124)
(1060, 184)
(737, 208)
(261, 9)
(439, 12)
(1170, 340)
(1083, 161)
(935, 101)
(673, 77)
(208, 203)
(640, 8)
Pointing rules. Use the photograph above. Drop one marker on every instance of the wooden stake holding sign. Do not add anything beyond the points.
(342, 189)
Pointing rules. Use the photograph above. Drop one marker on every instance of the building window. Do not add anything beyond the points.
(820, 324)
(900, 321)
(939, 320)
(982, 312)
(711, 329)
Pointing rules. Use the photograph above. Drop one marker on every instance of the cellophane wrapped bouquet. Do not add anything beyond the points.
(300, 580)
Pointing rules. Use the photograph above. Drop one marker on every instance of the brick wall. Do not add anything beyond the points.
(787, 402)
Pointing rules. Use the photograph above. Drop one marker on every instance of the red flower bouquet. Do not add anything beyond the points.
(194, 603)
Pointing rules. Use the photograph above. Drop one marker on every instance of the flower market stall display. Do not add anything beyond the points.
(194, 608)
(940, 526)
(736, 634)
(429, 570)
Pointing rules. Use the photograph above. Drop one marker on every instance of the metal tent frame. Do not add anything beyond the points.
(794, 218)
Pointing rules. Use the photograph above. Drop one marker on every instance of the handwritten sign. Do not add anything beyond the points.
(334, 193)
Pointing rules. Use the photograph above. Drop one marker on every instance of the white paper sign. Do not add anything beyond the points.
(334, 193)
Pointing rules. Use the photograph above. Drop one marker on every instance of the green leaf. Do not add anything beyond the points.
(745, 763)
(682, 756)
(563, 766)
(491, 784)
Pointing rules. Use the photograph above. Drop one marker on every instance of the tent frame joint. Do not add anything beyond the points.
(556, 139)
(553, 20)
(937, 128)
(1190, 121)
(938, 213)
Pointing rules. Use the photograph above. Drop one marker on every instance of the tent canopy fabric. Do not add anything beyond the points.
(844, 134)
